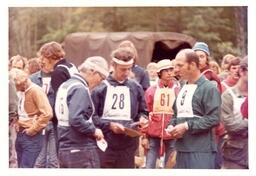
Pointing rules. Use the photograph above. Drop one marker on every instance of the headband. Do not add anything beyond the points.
(120, 62)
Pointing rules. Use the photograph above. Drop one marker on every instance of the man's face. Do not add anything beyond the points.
(96, 79)
(121, 72)
(167, 74)
(152, 72)
(214, 68)
(202, 58)
(21, 86)
(182, 68)
(18, 64)
(234, 71)
(46, 64)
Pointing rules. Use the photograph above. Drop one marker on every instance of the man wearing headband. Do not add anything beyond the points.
(119, 102)
(137, 72)
(74, 109)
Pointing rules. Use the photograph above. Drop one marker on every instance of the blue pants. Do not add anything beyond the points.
(154, 148)
(28, 149)
(79, 158)
(48, 155)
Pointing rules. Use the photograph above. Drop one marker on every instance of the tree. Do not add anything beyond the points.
(223, 28)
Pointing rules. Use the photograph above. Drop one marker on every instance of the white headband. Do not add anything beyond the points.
(120, 62)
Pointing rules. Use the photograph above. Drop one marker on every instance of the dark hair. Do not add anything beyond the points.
(124, 53)
(52, 50)
(234, 61)
(18, 58)
(33, 65)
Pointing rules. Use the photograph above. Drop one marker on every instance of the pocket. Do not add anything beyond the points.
(74, 158)
(155, 126)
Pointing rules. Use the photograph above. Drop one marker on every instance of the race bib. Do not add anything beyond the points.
(117, 103)
(46, 84)
(61, 107)
(21, 111)
(184, 101)
(163, 100)
(21, 104)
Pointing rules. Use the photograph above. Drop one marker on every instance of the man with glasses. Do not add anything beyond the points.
(74, 109)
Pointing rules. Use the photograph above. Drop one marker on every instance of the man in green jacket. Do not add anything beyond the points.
(196, 112)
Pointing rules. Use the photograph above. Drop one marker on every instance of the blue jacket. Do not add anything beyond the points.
(37, 79)
(138, 109)
(141, 76)
(206, 104)
(80, 130)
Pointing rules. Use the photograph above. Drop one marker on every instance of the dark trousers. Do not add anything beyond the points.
(112, 158)
(79, 158)
(28, 149)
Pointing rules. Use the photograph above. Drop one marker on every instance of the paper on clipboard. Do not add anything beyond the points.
(131, 132)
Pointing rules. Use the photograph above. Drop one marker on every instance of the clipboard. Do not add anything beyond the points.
(131, 132)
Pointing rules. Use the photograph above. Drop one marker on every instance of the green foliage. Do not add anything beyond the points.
(218, 26)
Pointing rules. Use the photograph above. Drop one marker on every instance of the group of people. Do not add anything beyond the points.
(64, 116)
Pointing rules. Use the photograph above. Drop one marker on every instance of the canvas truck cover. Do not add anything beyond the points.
(151, 46)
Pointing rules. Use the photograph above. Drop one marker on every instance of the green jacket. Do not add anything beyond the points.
(206, 103)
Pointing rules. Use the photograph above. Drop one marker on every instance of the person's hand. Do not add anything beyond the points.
(179, 130)
(143, 122)
(168, 131)
(98, 134)
(13, 120)
(145, 143)
(117, 128)
(16, 127)
(29, 132)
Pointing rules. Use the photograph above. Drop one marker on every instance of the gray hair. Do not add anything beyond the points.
(96, 63)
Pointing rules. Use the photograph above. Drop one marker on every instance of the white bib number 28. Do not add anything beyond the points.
(117, 103)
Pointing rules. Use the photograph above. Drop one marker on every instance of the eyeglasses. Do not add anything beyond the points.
(101, 76)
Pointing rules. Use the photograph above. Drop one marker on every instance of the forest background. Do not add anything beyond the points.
(224, 29)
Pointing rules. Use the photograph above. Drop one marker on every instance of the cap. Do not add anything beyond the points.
(164, 64)
(201, 46)
(98, 64)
